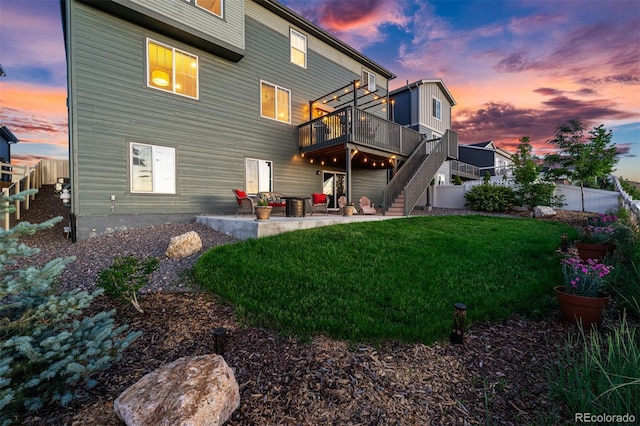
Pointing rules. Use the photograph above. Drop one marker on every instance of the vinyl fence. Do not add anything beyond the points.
(595, 200)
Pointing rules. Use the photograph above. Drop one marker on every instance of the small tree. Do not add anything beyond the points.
(584, 161)
(531, 192)
(47, 349)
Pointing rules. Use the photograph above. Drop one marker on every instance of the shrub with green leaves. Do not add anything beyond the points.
(126, 276)
(490, 198)
(48, 349)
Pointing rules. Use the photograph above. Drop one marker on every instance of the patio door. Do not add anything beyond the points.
(334, 185)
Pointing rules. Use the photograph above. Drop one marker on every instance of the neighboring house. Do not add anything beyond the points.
(7, 138)
(2, 73)
(174, 103)
(487, 157)
(425, 106)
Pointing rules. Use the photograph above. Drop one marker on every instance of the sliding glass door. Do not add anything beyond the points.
(334, 185)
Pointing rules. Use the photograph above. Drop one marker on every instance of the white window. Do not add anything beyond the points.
(258, 176)
(275, 102)
(171, 69)
(214, 6)
(298, 48)
(368, 80)
(436, 108)
(152, 168)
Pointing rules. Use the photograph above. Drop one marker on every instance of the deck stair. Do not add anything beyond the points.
(397, 206)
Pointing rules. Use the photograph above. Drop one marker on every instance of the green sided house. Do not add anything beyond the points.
(175, 103)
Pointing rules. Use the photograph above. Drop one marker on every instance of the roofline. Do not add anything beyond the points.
(7, 135)
(308, 26)
(438, 81)
(2, 73)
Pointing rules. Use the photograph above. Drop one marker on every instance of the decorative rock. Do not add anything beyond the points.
(543, 211)
(194, 391)
(184, 245)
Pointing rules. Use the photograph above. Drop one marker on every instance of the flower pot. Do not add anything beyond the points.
(594, 251)
(349, 210)
(581, 309)
(263, 213)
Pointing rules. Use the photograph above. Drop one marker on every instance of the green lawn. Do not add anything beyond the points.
(389, 280)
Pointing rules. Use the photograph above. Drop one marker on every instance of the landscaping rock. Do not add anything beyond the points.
(198, 391)
(543, 211)
(184, 245)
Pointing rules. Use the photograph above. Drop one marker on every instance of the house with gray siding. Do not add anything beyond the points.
(426, 107)
(7, 138)
(487, 157)
(174, 103)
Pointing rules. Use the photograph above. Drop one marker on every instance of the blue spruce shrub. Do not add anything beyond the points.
(48, 351)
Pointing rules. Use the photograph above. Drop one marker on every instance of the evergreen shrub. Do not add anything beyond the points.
(49, 351)
(490, 198)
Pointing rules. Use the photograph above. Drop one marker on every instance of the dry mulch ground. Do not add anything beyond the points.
(499, 374)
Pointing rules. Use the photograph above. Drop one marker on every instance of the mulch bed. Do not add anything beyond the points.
(498, 376)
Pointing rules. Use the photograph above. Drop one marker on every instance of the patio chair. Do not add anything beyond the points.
(319, 203)
(246, 204)
(365, 205)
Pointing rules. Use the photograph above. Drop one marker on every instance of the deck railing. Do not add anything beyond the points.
(24, 177)
(468, 169)
(351, 124)
(414, 176)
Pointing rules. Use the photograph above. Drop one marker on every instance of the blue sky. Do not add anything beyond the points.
(515, 68)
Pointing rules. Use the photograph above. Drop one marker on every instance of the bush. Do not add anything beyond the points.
(490, 198)
(126, 276)
(537, 194)
(599, 374)
(623, 283)
(48, 351)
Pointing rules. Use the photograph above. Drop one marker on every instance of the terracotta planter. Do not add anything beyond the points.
(349, 210)
(263, 213)
(576, 309)
(594, 251)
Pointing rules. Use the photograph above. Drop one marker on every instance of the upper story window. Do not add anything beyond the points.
(368, 80)
(171, 69)
(214, 6)
(436, 109)
(298, 48)
(275, 102)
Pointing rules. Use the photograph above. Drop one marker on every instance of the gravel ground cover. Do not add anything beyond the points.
(497, 376)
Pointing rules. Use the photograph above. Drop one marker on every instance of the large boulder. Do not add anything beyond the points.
(184, 245)
(543, 211)
(194, 391)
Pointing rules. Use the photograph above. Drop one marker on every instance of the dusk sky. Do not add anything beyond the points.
(515, 68)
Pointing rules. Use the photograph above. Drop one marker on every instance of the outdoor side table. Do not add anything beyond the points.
(295, 206)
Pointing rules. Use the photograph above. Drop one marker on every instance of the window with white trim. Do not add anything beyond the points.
(298, 48)
(275, 102)
(152, 168)
(214, 6)
(258, 176)
(171, 69)
(436, 108)
(368, 80)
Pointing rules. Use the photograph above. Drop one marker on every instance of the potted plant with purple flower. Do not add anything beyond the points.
(582, 297)
(596, 242)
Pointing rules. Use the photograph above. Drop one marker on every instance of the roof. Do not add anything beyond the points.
(439, 82)
(308, 26)
(2, 73)
(7, 135)
(487, 146)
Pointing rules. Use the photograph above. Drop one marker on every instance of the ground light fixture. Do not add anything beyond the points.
(564, 243)
(459, 315)
(219, 340)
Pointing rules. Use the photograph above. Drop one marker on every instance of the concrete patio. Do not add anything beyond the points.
(248, 227)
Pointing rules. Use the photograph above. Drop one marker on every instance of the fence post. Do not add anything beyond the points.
(5, 204)
(28, 186)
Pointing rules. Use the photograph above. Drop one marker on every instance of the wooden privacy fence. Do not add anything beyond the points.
(23, 178)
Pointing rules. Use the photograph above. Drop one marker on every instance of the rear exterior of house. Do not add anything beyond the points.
(174, 103)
